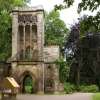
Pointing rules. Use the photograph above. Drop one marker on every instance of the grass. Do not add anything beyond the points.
(96, 96)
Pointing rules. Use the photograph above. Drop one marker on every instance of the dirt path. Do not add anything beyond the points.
(76, 96)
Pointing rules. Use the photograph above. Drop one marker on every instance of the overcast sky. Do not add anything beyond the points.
(70, 15)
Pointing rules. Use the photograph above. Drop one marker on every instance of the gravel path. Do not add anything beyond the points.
(76, 96)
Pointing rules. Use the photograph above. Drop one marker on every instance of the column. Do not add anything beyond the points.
(40, 34)
(14, 35)
(56, 79)
(24, 42)
(41, 78)
(14, 41)
(31, 41)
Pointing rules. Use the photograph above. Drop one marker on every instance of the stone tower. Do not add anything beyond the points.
(29, 57)
(27, 44)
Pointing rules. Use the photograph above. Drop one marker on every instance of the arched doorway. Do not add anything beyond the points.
(28, 83)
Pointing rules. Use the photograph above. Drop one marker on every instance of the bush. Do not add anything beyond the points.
(69, 88)
(89, 88)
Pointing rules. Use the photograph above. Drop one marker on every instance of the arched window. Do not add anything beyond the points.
(21, 34)
(34, 31)
(27, 33)
(28, 53)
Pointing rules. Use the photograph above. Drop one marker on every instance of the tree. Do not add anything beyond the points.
(85, 48)
(71, 41)
(91, 5)
(55, 34)
(55, 29)
(6, 7)
(83, 5)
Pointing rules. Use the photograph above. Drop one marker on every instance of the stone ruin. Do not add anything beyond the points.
(31, 61)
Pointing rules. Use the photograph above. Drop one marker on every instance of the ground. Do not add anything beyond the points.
(76, 96)
(96, 96)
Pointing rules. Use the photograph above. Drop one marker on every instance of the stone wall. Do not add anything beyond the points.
(37, 69)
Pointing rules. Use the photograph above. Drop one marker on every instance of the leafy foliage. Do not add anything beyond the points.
(55, 34)
(66, 4)
(90, 5)
(71, 42)
(10, 4)
(5, 26)
(69, 88)
(89, 88)
(89, 24)
(82, 48)
(83, 5)
(55, 29)
(63, 70)
(5, 35)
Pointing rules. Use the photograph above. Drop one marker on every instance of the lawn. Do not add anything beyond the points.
(96, 96)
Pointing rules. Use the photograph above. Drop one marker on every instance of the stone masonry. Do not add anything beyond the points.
(29, 56)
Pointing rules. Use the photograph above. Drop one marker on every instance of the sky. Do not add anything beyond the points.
(69, 15)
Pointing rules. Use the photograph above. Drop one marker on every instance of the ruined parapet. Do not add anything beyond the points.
(51, 55)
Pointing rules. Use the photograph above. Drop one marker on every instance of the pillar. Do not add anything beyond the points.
(24, 45)
(31, 41)
(56, 79)
(41, 78)
(14, 35)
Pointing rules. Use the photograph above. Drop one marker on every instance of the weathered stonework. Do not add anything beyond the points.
(29, 56)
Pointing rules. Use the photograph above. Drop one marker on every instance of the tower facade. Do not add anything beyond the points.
(28, 34)
(29, 65)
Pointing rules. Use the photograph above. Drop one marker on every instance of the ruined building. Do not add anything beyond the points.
(31, 63)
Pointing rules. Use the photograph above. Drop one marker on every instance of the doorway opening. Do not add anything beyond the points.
(28, 84)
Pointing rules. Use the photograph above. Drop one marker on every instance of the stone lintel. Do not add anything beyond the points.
(28, 9)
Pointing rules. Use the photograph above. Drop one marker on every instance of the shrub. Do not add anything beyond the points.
(69, 88)
(89, 88)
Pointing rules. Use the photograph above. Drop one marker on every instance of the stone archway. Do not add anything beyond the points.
(28, 82)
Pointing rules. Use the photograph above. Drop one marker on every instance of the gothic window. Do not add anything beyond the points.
(21, 32)
(34, 31)
(28, 54)
(27, 18)
(28, 36)
(21, 55)
(27, 33)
